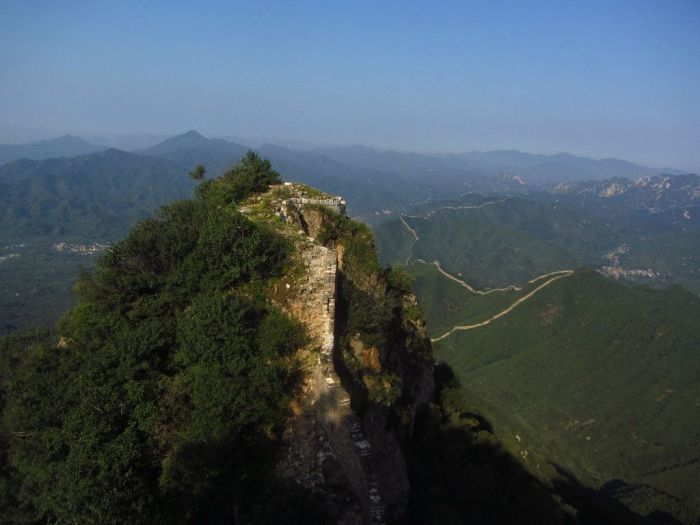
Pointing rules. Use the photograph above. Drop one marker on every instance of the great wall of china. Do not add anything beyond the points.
(316, 309)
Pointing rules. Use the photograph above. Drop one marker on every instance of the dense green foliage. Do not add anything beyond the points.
(166, 393)
(96, 197)
(446, 303)
(514, 239)
(252, 175)
(507, 242)
(597, 377)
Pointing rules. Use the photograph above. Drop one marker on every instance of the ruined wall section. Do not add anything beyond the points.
(311, 458)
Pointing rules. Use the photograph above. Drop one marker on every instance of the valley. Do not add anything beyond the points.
(511, 284)
(568, 365)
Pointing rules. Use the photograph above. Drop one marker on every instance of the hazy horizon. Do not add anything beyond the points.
(589, 79)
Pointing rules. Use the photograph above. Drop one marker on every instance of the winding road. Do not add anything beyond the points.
(549, 278)
(558, 275)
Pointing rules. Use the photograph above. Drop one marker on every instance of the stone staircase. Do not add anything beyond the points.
(345, 433)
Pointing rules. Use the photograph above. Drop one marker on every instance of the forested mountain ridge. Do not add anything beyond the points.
(65, 146)
(82, 198)
(242, 355)
(174, 378)
(588, 377)
(581, 376)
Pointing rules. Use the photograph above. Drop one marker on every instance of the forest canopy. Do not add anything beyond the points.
(158, 397)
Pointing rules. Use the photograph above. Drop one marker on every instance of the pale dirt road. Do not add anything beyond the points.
(551, 277)
(559, 275)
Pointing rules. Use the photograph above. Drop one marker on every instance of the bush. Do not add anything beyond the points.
(399, 279)
(251, 175)
(167, 395)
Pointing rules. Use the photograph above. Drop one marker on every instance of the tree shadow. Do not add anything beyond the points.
(460, 473)
(601, 506)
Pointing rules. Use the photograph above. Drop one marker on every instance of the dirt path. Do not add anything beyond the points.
(478, 206)
(559, 275)
(551, 276)
(509, 288)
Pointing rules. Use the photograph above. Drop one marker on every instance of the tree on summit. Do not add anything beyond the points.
(198, 172)
(251, 175)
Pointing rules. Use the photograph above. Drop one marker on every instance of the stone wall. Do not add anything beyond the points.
(337, 204)
(312, 301)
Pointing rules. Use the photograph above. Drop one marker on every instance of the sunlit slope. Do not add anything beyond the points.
(497, 243)
(449, 303)
(598, 377)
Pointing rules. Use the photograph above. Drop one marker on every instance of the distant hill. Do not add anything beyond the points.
(81, 201)
(191, 148)
(479, 167)
(658, 201)
(494, 242)
(597, 378)
(368, 191)
(87, 197)
(66, 146)
(543, 169)
(499, 241)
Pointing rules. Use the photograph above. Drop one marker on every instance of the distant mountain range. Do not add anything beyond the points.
(66, 146)
(526, 170)
(191, 148)
(70, 190)
(653, 199)
(88, 197)
(72, 175)
(474, 170)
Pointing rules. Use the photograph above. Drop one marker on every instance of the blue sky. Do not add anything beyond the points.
(613, 78)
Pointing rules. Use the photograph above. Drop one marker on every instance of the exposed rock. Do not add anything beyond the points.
(338, 444)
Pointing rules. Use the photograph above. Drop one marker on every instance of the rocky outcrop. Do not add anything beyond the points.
(338, 443)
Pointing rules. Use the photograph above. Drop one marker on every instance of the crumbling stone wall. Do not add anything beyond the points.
(312, 300)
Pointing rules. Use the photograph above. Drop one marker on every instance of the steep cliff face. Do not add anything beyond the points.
(368, 360)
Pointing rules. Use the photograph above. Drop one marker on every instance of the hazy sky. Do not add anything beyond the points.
(603, 78)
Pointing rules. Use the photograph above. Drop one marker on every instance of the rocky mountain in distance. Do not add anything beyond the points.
(667, 198)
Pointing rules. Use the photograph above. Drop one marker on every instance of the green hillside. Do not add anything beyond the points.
(502, 242)
(92, 197)
(166, 392)
(496, 242)
(448, 303)
(79, 200)
(675, 255)
(599, 378)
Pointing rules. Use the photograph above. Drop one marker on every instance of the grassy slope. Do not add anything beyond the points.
(394, 242)
(515, 240)
(503, 243)
(596, 376)
(447, 303)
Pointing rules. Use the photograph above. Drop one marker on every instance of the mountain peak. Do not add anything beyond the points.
(191, 134)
